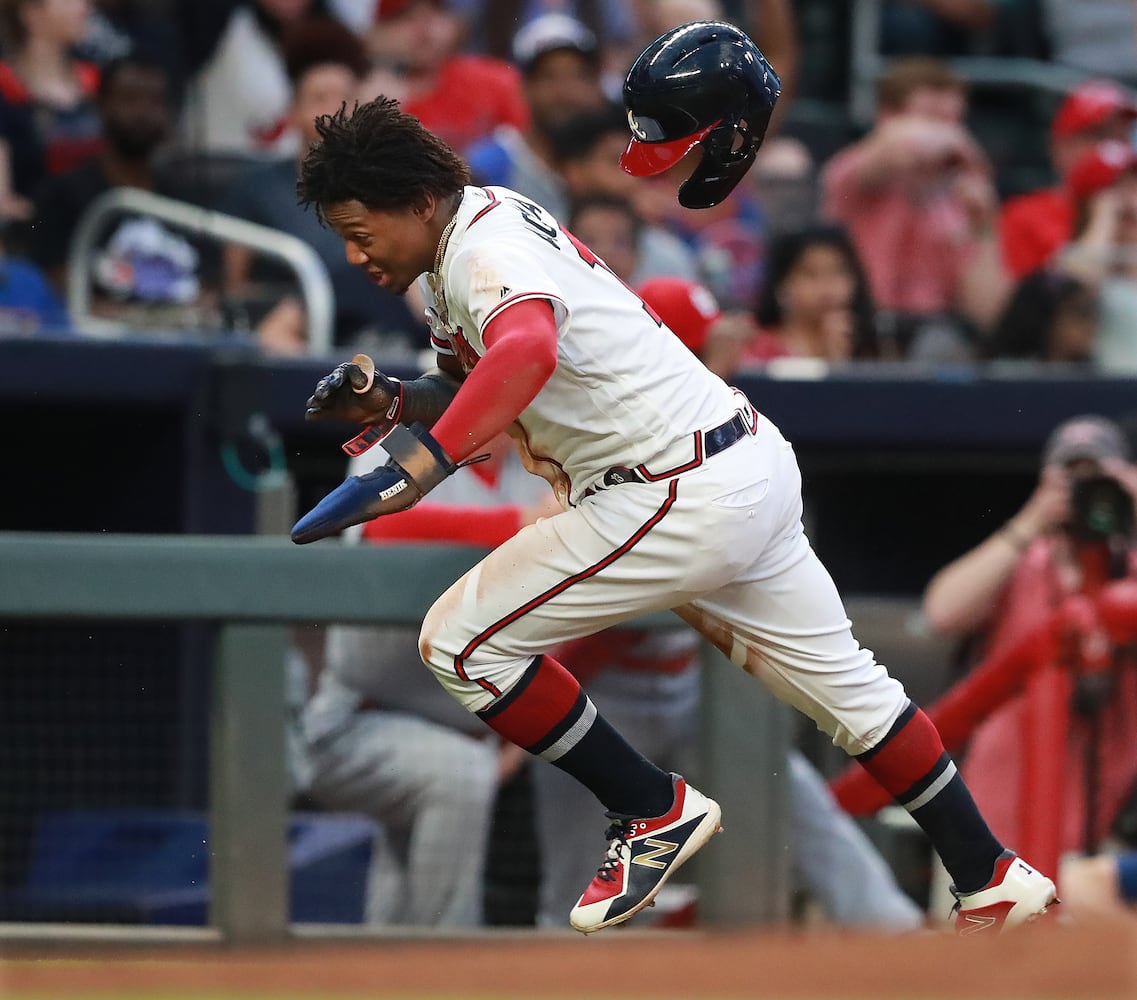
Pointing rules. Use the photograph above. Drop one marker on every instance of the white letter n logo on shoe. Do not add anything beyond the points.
(653, 851)
(977, 922)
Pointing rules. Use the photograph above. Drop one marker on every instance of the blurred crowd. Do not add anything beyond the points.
(908, 238)
(915, 238)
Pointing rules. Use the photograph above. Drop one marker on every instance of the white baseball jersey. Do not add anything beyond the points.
(715, 535)
(625, 387)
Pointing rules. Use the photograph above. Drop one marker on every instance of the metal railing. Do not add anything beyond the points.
(867, 64)
(311, 273)
(253, 589)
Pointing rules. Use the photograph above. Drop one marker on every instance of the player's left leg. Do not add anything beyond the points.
(783, 620)
(790, 630)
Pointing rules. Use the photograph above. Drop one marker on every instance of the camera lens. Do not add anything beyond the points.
(1101, 508)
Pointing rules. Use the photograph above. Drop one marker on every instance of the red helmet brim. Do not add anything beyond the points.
(646, 159)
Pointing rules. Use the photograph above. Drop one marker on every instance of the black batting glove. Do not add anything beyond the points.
(356, 392)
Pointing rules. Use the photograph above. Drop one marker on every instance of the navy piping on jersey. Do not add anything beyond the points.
(560, 588)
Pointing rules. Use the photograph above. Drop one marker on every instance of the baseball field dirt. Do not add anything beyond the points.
(1042, 962)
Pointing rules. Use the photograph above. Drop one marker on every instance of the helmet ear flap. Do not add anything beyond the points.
(721, 167)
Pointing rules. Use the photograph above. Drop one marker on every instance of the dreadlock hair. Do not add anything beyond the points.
(379, 156)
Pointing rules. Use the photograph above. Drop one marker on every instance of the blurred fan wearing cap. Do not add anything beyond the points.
(1100, 167)
(416, 46)
(1102, 185)
(1034, 225)
(691, 312)
(559, 59)
(1103, 251)
(1085, 438)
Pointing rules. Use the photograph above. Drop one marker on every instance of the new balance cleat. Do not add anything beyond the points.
(642, 855)
(1016, 895)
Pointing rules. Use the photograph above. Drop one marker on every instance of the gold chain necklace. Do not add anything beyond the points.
(442, 244)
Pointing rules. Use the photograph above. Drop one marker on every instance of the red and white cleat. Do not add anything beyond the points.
(1016, 895)
(642, 855)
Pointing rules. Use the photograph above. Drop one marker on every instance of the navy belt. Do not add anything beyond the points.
(715, 440)
(723, 436)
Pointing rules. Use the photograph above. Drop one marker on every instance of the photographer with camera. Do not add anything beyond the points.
(1074, 533)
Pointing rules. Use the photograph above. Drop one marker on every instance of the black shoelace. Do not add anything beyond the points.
(617, 837)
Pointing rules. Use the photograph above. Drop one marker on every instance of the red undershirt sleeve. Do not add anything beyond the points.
(521, 356)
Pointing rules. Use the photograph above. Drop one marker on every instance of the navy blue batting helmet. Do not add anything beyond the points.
(702, 83)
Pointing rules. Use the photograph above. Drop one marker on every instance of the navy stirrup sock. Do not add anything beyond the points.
(912, 765)
(548, 714)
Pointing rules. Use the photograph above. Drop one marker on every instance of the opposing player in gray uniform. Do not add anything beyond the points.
(675, 492)
(379, 741)
(399, 758)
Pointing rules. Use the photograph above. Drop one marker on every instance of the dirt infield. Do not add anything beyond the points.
(1045, 962)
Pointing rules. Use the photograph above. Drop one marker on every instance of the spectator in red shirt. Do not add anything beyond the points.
(1032, 226)
(460, 98)
(917, 197)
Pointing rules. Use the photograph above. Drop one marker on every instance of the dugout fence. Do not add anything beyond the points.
(248, 593)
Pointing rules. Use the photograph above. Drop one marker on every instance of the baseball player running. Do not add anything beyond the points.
(676, 493)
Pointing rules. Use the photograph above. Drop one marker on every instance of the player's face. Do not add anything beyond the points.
(392, 247)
